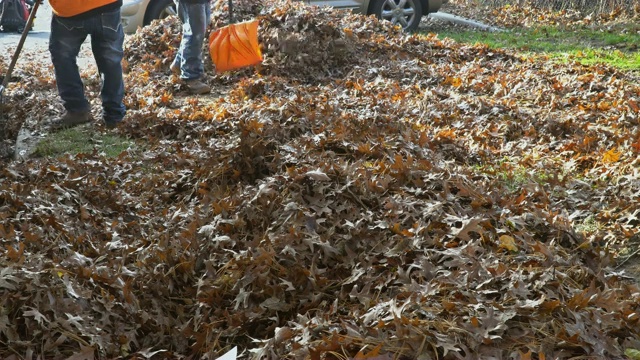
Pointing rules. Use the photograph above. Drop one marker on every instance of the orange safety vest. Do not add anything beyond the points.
(68, 8)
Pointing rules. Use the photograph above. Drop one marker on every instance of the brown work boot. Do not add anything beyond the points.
(72, 119)
(110, 124)
(197, 87)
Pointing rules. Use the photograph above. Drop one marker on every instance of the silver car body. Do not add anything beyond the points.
(132, 14)
(359, 6)
(133, 11)
(363, 6)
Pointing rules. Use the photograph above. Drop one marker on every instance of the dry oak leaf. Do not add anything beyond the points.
(611, 156)
(507, 242)
(318, 175)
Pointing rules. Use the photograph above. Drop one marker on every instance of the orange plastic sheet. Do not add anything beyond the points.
(235, 46)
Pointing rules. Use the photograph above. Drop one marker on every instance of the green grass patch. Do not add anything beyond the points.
(588, 226)
(583, 45)
(614, 58)
(512, 175)
(82, 140)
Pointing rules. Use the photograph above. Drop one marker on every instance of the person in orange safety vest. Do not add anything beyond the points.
(72, 22)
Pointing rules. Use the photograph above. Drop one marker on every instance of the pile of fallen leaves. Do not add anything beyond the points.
(420, 199)
(30, 94)
(297, 42)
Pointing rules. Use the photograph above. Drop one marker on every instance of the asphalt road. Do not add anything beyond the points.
(37, 42)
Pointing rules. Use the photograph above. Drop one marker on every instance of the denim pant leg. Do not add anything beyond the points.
(195, 18)
(107, 37)
(65, 41)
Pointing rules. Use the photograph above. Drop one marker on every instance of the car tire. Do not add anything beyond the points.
(408, 16)
(434, 5)
(159, 9)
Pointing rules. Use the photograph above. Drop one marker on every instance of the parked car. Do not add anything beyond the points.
(139, 13)
(408, 13)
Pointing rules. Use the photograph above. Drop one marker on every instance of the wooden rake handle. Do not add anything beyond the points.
(14, 59)
(231, 20)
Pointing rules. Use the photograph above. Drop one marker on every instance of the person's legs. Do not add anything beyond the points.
(195, 18)
(107, 37)
(64, 45)
(193, 31)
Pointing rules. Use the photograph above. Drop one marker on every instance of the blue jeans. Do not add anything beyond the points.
(107, 36)
(195, 18)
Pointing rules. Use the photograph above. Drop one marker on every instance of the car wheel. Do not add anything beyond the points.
(159, 9)
(406, 13)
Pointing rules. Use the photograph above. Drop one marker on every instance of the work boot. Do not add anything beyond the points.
(111, 124)
(72, 119)
(197, 87)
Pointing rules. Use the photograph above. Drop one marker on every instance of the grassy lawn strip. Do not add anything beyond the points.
(82, 140)
(583, 45)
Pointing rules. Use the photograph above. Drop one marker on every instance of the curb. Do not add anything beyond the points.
(463, 21)
(26, 143)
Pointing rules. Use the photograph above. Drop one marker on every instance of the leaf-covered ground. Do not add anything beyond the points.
(363, 193)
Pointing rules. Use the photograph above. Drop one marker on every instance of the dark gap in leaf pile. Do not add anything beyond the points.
(353, 190)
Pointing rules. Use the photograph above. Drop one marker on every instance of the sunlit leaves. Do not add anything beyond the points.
(611, 156)
(453, 81)
(508, 243)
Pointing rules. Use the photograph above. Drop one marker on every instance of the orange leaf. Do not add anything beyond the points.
(449, 306)
(588, 140)
(400, 231)
(475, 322)
(447, 134)
(604, 106)
(525, 356)
(372, 354)
(508, 242)
(14, 254)
(611, 156)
